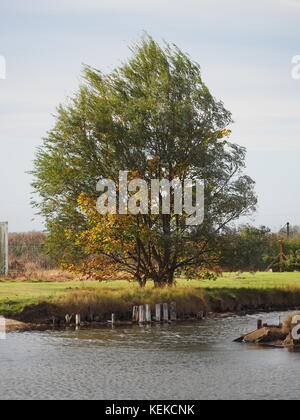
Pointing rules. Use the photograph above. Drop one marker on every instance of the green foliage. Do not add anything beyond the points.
(291, 254)
(247, 248)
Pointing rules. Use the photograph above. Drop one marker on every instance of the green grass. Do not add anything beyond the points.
(233, 291)
(15, 295)
(252, 280)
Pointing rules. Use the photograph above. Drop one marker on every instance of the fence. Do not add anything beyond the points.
(3, 248)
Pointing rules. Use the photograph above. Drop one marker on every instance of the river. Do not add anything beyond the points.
(182, 361)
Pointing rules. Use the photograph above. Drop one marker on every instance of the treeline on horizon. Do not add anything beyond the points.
(242, 248)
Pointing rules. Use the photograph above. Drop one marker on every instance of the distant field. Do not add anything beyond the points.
(255, 280)
(119, 295)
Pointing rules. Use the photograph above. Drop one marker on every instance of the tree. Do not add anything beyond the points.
(154, 117)
(247, 248)
(291, 252)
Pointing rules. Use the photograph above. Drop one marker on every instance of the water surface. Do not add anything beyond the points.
(183, 361)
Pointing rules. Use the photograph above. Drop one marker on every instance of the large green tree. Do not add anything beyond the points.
(154, 117)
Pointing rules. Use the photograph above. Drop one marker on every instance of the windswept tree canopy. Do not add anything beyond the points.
(154, 117)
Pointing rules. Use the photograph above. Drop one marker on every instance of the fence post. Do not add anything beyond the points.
(165, 312)
(91, 314)
(173, 314)
(4, 248)
(141, 314)
(68, 319)
(135, 314)
(158, 312)
(77, 320)
(148, 312)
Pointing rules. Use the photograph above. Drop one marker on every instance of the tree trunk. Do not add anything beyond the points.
(166, 279)
(141, 280)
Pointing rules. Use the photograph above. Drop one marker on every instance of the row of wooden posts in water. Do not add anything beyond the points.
(68, 320)
(163, 313)
(141, 314)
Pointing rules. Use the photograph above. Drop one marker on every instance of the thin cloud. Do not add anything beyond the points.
(189, 6)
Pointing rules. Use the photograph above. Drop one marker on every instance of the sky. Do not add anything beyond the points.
(245, 50)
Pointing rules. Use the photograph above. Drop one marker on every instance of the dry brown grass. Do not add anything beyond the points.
(32, 273)
(103, 302)
(27, 248)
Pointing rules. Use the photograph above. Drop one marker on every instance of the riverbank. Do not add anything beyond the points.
(40, 302)
(14, 325)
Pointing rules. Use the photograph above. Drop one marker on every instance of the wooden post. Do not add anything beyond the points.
(200, 315)
(113, 317)
(148, 312)
(91, 314)
(68, 319)
(56, 322)
(141, 314)
(165, 312)
(4, 248)
(158, 312)
(173, 314)
(135, 314)
(259, 324)
(77, 320)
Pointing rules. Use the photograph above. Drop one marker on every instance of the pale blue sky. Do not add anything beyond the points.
(245, 51)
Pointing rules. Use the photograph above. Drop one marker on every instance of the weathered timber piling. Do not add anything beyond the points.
(200, 315)
(3, 248)
(91, 314)
(135, 314)
(259, 324)
(68, 319)
(56, 322)
(165, 312)
(148, 312)
(77, 320)
(158, 312)
(173, 314)
(141, 314)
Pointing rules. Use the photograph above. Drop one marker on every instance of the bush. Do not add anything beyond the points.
(27, 251)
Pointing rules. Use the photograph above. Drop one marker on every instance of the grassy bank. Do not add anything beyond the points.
(34, 300)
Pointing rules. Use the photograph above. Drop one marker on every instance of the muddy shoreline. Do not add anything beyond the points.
(17, 325)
